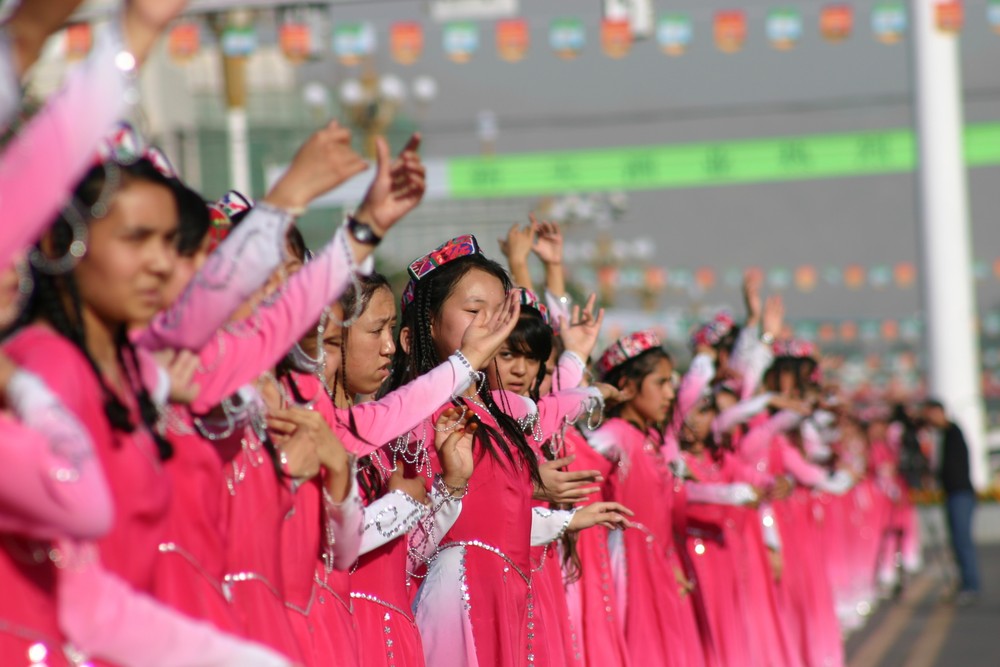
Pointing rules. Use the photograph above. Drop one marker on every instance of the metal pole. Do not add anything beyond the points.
(949, 294)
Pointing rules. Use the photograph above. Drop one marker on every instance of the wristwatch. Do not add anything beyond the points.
(767, 338)
(362, 232)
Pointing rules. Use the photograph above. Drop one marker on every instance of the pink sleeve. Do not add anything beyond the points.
(569, 371)
(51, 482)
(104, 617)
(367, 426)
(565, 407)
(754, 445)
(237, 358)
(230, 276)
(740, 413)
(41, 166)
(805, 473)
(693, 386)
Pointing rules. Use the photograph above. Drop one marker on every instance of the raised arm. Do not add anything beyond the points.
(693, 386)
(104, 617)
(41, 166)
(51, 483)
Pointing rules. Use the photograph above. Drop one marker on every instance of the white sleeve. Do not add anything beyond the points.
(549, 525)
(388, 518)
(433, 526)
(812, 442)
(740, 413)
(769, 528)
(10, 87)
(837, 484)
(344, 522)
(738, 493)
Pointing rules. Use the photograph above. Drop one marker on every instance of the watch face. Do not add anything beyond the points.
(362, 233)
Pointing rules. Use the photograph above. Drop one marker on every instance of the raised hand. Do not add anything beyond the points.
(411, 486)
(580, 334)
(144, 20)
(610, 515)
(31, 24)
(484, 337)
(752, 281)
(517, 246)
(323, 162)
(180, 367)
(305, 442)
(453, 433)
(563, 486)
(774, 315)
(397, 189)
(610, 393)
(548, 245)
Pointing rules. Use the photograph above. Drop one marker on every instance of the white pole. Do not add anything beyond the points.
(949, 294)
(239, 150)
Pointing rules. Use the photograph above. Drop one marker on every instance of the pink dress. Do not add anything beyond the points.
(654, 626)
(593, 600)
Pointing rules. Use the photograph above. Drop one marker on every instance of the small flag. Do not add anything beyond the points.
(238, 41)
(352, 42)
(949, 16)
(784, 28)
(512, 39)
(616, 38)
(704, 277)
(889, 21)
(406, 42)
(674, 33)
(461, 40)
(848, 330)
(854, 276)
(836, 22)
(296, 41)
(993, 15)
(805, 278)
(730, 30)
(184, 41)
(79, 39)
(905, 274)
(567, 37)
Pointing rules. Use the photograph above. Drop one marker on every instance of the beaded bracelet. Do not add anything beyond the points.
(478, 378)
(449, 491)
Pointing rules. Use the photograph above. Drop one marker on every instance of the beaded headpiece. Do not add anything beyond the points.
(711, 334)
(530, 299)
(460, 246)
(124, 146)
(221, 215)
(625, 348)
(795, 348)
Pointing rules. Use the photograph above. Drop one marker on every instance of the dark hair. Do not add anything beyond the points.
(193, 217)
(429, 296)
(532, 337)
(801, 368)
(351, 301)
(933, 404)
(56, 299)
(635, 369)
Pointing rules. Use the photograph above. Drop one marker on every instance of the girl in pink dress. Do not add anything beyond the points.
(652, 588)
(352, 361)
(475, 606)
(77, 342)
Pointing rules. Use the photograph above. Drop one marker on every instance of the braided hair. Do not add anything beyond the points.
(56, 300)
(505, 443)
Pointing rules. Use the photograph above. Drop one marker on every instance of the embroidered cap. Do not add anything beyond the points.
(795, 348)
(221, 214)
(530, 299)
(711, 334)
(625, 348)
(460, 246)
(124, 145)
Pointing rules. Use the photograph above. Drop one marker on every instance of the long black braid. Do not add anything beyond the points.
(56, 300)
(429, 295)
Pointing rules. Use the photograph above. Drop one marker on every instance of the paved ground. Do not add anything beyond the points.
(921, 629)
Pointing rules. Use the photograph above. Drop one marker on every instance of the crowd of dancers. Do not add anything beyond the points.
(222, 448)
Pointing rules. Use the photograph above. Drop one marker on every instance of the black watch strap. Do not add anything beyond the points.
(362, 232)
